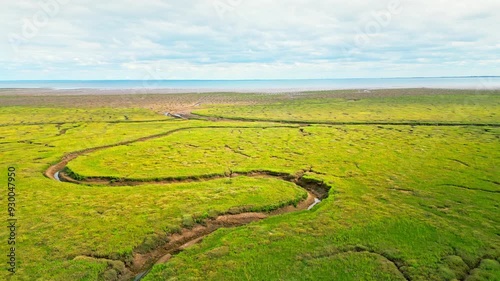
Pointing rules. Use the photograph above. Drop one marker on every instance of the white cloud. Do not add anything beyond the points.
(195, 39)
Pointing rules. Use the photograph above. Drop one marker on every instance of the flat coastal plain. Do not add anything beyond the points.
(331, 185)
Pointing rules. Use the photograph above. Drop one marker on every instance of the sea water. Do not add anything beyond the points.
(475, 83)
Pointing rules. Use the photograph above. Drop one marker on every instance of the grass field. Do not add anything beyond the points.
(407, 202)
(19, 115)
(466, 107)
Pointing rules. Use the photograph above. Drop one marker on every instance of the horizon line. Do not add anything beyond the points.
(278, 79)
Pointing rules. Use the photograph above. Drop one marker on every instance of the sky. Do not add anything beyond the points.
(247, 39)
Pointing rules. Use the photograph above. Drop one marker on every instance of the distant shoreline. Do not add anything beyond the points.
(160, 91)
(251, 86)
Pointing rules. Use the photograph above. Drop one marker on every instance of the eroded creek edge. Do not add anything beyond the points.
(142, 263)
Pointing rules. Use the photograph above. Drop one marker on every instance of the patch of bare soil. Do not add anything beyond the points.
(178, 101)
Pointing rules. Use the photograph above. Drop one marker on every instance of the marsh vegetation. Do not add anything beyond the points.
(413, 184)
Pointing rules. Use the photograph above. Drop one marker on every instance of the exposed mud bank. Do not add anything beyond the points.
(137, 266)
(53, 169)
(142, 263)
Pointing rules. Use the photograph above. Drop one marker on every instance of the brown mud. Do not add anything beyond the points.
(142, 263)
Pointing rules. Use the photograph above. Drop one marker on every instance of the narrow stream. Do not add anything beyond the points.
(313, 188)
(56, 176)
(316, 202)
(317, 191)
(143, 274)
(59, 175)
